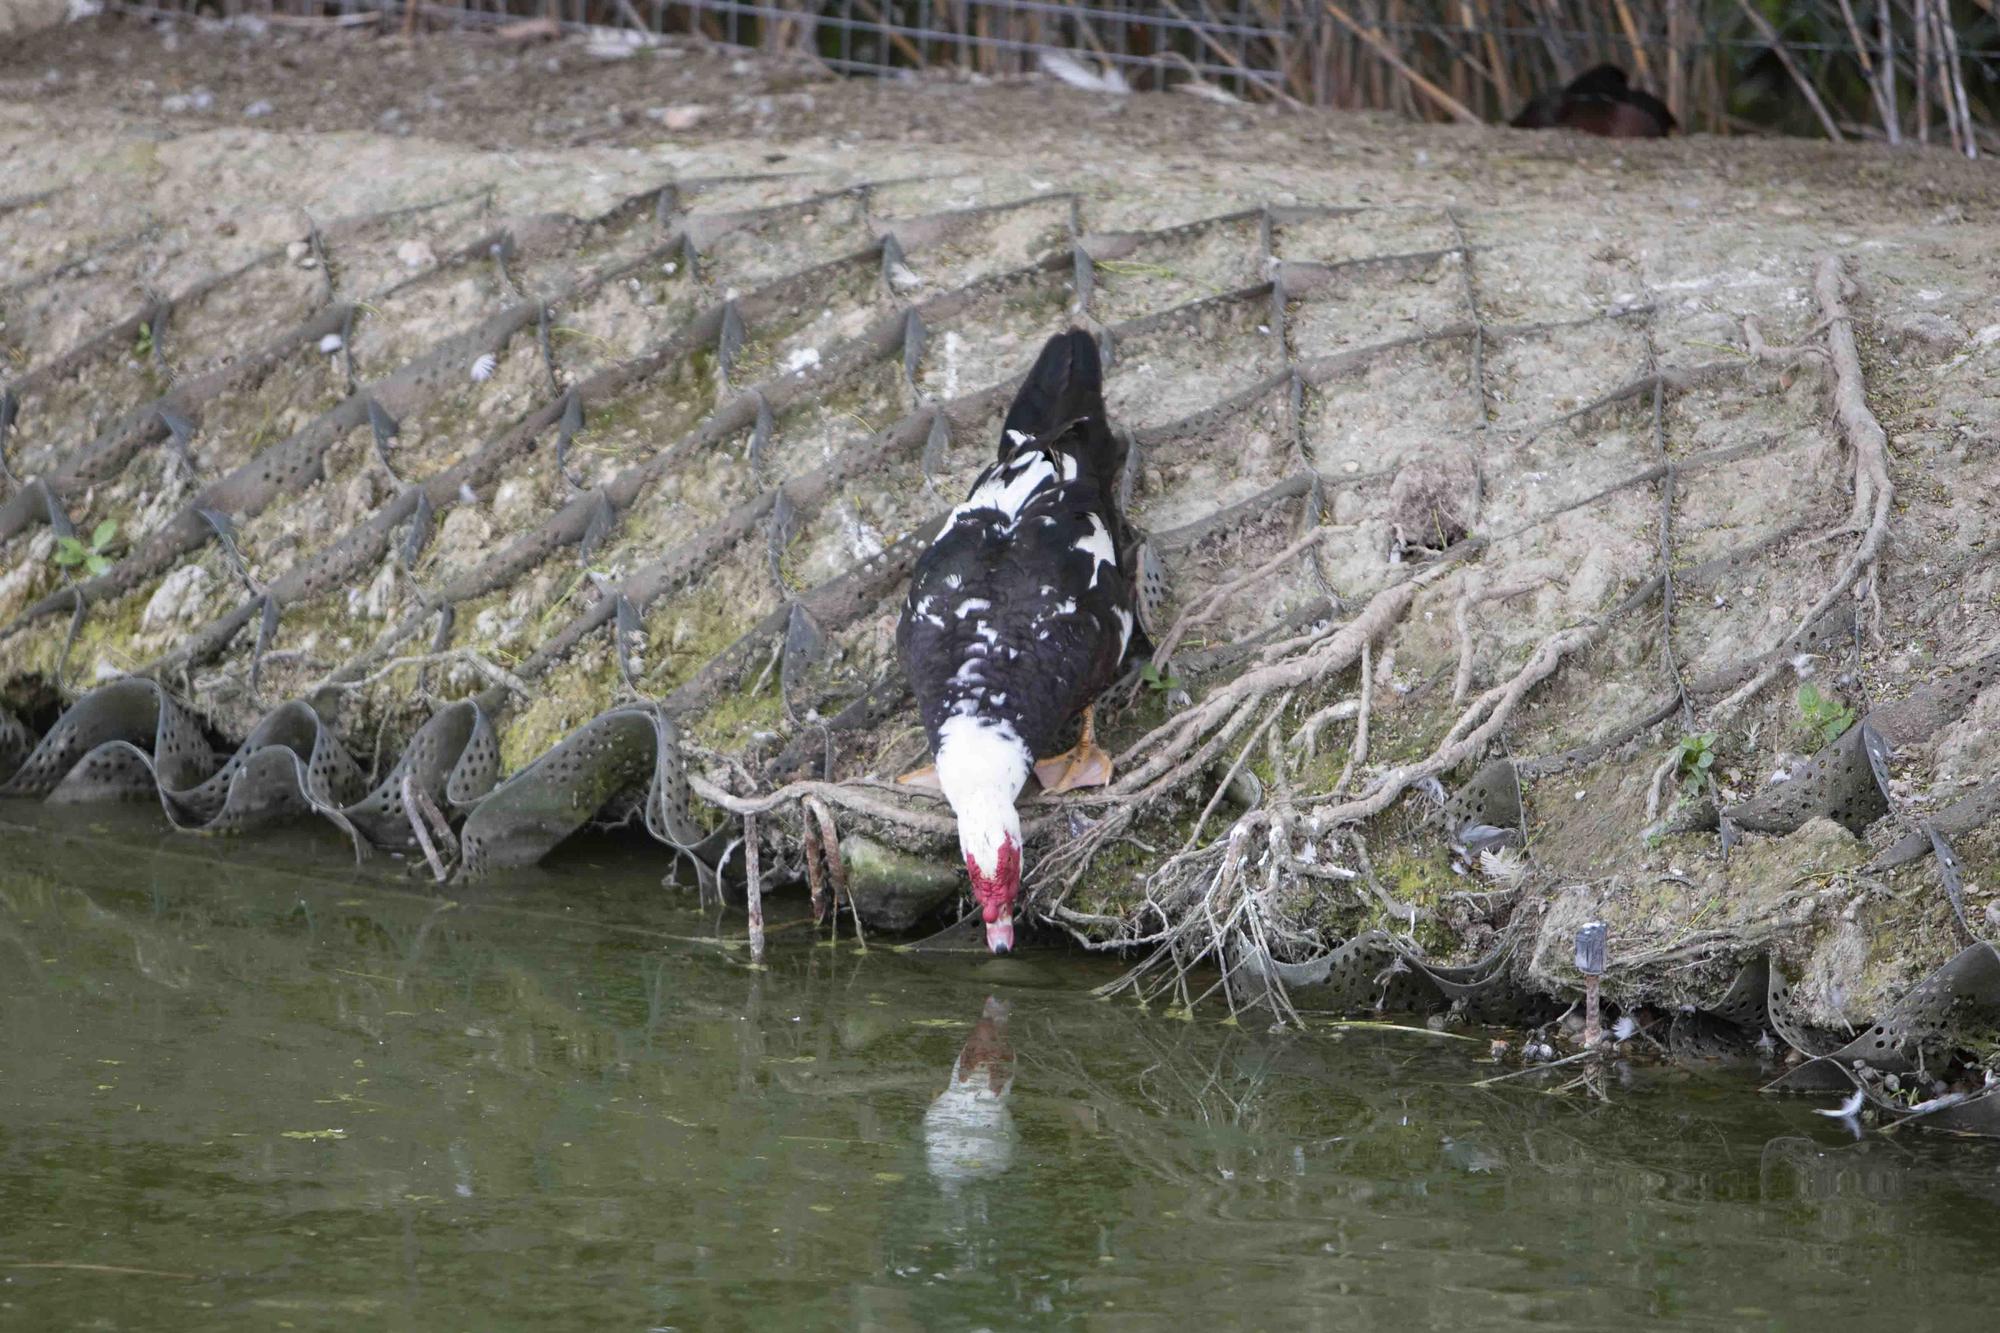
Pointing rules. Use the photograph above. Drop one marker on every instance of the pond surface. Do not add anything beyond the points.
(237, 1094)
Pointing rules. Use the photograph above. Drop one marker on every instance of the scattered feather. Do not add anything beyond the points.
(631, 640)
(1066, 68)
(1503, 865)
(332, 343)
(896, 272)
(484, 366)
(1208, 92)
(1847, 1110)
(935, 445)
(1477, 838)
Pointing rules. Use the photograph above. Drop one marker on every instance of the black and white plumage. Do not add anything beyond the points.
(1022, 611)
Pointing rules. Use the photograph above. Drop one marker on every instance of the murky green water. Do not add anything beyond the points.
(236, 1095)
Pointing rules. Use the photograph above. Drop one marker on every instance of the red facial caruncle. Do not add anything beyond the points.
(995, 890)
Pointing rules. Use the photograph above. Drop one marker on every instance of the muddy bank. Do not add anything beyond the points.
(462, 426)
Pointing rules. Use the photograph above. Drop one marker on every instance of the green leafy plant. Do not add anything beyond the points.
(71, 552)
(1826, 718)
(142, 347)
(1150, 675)
(1696, 756)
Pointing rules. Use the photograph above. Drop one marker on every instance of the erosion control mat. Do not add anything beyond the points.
(1538, 530)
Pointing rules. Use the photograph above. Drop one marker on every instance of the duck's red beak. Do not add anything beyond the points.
(995, 889)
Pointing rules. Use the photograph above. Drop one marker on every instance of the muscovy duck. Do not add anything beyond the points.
(969, 1132)
(1599, 101)
(1020, 614)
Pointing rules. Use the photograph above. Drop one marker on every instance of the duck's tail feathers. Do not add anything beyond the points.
(1064, 390)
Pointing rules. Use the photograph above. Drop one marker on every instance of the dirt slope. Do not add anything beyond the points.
(471, 355)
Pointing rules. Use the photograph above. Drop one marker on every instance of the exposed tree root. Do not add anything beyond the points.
(1468, 736)
(1874, 491)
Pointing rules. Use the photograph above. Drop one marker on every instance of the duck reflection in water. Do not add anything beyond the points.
(969, 1132)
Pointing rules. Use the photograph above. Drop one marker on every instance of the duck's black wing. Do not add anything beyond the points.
(1019, 611)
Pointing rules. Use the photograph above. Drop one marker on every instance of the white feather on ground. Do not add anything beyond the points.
(1208, 92)
(1068, 69)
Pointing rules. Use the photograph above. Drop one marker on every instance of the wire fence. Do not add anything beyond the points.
(1925, 71)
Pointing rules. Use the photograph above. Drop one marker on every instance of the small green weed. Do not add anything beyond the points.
(1149, 674)
(1697, 757)
(70, 552)
(1826, 718)
(142, 347)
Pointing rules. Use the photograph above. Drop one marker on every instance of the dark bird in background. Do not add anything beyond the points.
(1020, 614)
(1599, 101)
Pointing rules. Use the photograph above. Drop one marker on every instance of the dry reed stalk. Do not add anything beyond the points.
(896, 39)
(1498, 66)
(1868, 67)
(1935, 39)
(1546, 23)
(1894, 123)
(1920, 9)
(1632, 39)
(1811, 94)
(1229, 58)
(1676, 89)
(1457, 109)
(1957, 85)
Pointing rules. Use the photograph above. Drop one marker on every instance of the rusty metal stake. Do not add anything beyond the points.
(1590, 962)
